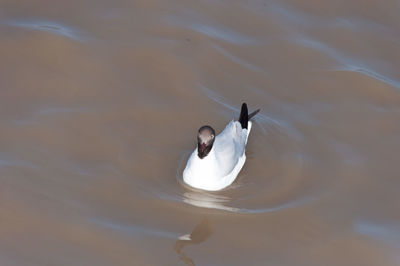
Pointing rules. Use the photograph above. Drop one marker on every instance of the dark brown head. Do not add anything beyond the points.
(205, 141)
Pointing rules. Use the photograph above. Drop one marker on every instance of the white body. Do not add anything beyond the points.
(222, 165)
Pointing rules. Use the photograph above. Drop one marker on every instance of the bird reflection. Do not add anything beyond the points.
(200, 233)
(208, 200)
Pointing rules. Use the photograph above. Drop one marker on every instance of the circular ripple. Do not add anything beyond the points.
(272, 178)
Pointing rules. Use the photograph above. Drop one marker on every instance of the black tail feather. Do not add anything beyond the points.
(253, 114)
(245, 116)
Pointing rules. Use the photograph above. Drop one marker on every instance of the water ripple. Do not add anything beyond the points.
(48, 112)
(133, 229)
(236, 59)
(48, 26)
(370, 73)
(213, 201)
(385, 233)
(214, 31)
(297, 17)
(346, 62)
(7, 160)
(224, 34)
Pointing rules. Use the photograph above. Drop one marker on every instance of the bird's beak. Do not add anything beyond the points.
(203, 147)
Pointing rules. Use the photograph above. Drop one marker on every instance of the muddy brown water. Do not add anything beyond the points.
(100, 102)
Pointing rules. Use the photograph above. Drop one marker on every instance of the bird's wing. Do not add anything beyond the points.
(229, 147)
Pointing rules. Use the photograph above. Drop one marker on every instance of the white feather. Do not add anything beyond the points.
(222, 165)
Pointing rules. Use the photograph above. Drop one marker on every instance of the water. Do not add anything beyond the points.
(99, 107)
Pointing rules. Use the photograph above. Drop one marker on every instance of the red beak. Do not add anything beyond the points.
(203, 147)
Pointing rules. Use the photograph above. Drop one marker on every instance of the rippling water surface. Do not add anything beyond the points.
(100, 102)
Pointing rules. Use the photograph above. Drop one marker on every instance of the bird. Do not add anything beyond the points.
(217, 160)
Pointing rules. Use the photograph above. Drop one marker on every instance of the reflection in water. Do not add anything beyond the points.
(200, 233)
(207, 200)
(213, 201)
